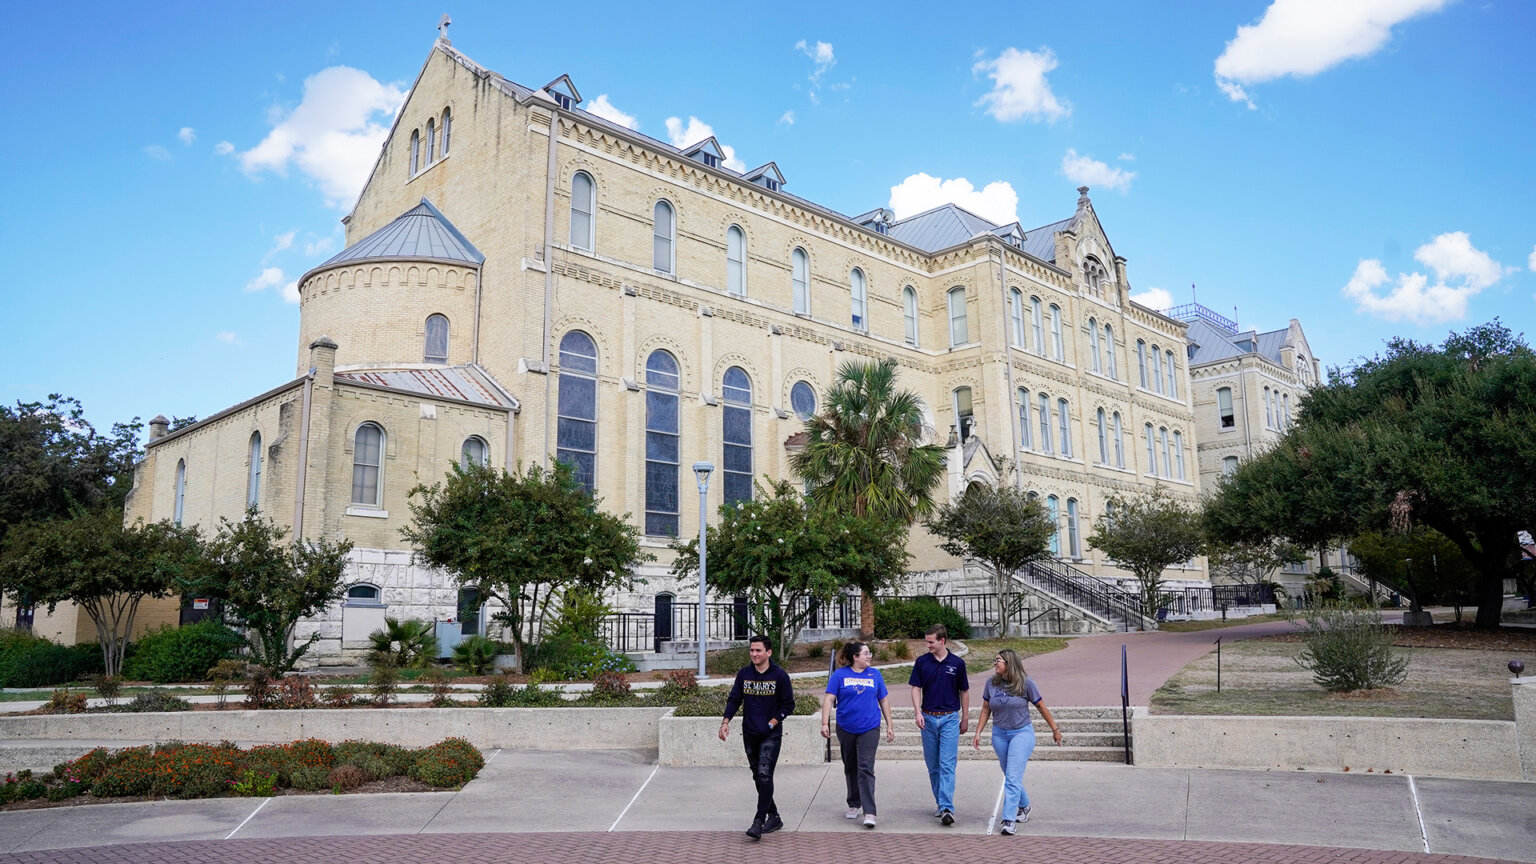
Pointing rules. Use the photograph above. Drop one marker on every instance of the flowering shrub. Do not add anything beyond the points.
(195, 770)
(610, 685)
(130, 772)
(273, 760)
(452, 762)
(313, 751)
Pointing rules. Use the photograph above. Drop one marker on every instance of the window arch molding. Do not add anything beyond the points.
(370, 449)
(736, 260)
(910, 316)
(800, 280)
(364, 594)
(474, 451)
(576, 437)
(253, 470)
(959, 323)
(858, 295)
(446, 127)
(436, 332)
(664, 236)
(583, 210)
(663, 490)
(738, 459)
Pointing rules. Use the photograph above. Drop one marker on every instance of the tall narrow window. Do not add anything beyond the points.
(1045, 423)
(958, 332)
(909, 313)
(1093, 345)
(662, 384)
(436, 349)
(800, 275)
(1151, 451)
(431, 140)
(253, 478)
(1157, 369)
(1178, 454)
(1109, 352)
(1228, 465)
(415, 152)
(1074, 546)
(736, 421)
(1285, 409)
(582, 200)
(1053, 509)
(1016, 316)
(1058, 348)
(1224, 407)
(1141, 361)
(368, 465)
(1024, 434)
(1172, 370)
(964, 413)
(663, 235)
(1162, 440)
(447, 129)
(856, 288)
(1269, 410)
(1109, 513)
(576, 408)
(181, 490)
(475, 452)
(736, 261)
(1103, 427)
(1119, 442)
(1064, 420)
(1036, 328)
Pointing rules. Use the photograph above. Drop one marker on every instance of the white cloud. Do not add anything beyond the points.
(279, 244)
(996, 201)
(228, 337)
(695, 131)
(604, 109)
(269, 277)
(1157, 299)
(333, 136)
(291, 293)
(821, 53)
(1085, 171)
(223, 148)
(321, 246)
(1305, 37)
(1127, 157)
(1531, 262)
(1019, 89)
(788, 119)
(158, 153)
(187, 135)
(1461, 272)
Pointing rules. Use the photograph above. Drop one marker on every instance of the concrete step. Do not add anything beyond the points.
(1042, 739)
(1064, 714)
(914, 753)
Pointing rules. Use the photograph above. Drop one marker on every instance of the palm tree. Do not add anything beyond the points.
(866, 454)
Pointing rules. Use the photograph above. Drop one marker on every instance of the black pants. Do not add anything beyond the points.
(859, 766)
(762, 756)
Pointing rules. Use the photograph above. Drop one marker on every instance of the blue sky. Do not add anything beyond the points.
(1363, 166)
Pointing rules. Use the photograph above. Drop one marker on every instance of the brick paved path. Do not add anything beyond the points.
(711, 848)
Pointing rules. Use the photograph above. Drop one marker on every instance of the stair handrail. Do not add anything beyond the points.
(1088, 592)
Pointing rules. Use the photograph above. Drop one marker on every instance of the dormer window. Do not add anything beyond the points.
(562, 100)
(564, 92)
(710, 159)
(766, 176)
(770, 184)
(707, 151)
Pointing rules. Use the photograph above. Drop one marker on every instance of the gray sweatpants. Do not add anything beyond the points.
(859, 766)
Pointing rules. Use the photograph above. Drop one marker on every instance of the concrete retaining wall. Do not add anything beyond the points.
(1525, 723)
(696, 741)
(1481, 749)
(513, 728)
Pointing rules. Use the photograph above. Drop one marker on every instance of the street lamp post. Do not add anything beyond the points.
(702, 470)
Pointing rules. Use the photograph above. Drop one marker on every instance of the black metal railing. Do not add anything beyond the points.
(1188, 601)
(839, 612)
(1086, 592)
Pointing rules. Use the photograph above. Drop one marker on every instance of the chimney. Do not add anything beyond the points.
(158, 427)
(322, 361)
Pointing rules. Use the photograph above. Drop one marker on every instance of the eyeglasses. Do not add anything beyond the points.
(999, 660)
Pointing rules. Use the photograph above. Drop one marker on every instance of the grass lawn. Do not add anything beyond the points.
(1217, 623)
(1261, 677)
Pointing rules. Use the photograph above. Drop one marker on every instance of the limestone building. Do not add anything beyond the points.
(526, 281)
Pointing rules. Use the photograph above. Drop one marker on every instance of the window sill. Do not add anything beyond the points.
(367, 512)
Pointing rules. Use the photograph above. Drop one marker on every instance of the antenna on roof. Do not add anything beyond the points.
(442, 29)
(1193, 297)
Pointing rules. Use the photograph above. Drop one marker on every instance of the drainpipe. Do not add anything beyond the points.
(549, 271)
(1013, 392)
(298, 498)
(474, 339)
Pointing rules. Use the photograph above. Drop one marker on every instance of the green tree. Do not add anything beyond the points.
(1420, 563)
(1003, 528)
(865, 454)
(270, 585)
(54, 464)
(1252, 563)
(1148, 533)
(783, 551)
(1439, 437)
(521, 539)
(103, 566)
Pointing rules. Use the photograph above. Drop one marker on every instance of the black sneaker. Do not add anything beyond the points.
(947, 817)
(756, 831)
(772, 823)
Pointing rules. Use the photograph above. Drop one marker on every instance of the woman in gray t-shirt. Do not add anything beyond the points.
(1006, 700)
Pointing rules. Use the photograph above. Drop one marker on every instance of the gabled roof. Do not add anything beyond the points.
(770, 170)
(422, 233)
(708, 145)
(1214, 343)
(467, 383)
(564, 85)
(940, 228)
(1041, 242)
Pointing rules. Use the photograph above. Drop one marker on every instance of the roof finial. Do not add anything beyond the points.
(442, 29)
(1082, 197)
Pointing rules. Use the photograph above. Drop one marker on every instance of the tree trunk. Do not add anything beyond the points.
(866, 616)
(1490, 599)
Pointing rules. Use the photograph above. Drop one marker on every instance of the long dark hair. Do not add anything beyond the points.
(849, 651)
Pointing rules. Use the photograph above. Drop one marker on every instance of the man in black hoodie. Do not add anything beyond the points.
(765, 695)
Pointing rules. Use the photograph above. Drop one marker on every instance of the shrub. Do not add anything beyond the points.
(297, 691)
(32, 661)
(195, 770)
(64, 702)
(170, 655)
(253, 784)
(476, 654)
(373, 767)
(131, 772)
(451, 762)
(310, 778)
(383, 683)
(1349, 649)
(403, 643)
(258, 686)
(728, 661)
(570, 658)
(400, 759)
(339, 696)
(348, 777)
(908, 618)
(441, 688)
(679, 685)
(271, 760)
(87, 768)
(222, 673)
(531, 695)
(313, 752)
(815, 649)
(610, 684)
(107, 687)
(703, 702)
(496, 694)
(902, 650)
(581, 615)
(155, 701)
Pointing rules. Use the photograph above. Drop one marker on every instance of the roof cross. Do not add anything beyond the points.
(442, 27)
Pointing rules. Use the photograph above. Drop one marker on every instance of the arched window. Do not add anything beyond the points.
(363, 593)
(1157, 369)
(253, 477)
(1162, 440)
(1119, 442)
(1285, 409)
(958, 332)
(1103, 428)
(1109, 352)
(181, 490)
(663, 233)
(736, 261)
(662, 383)
(909, 313)
(1151, 451)
(1016, 316)
(857, 290)
(1037, 331)
(1172, 371)
(1058, 348)
(1178, 454)
(736, 420)
(436, 349)
(368, 465)
(431, 140)
(475, 452)
(447, 129)
(1109, 513)
(1045, 423)
(1224, 407)
(1093, 345)
(964, 416)
(1024, 433)
(583, 200)
(576, 407)
(802, 400)
(801, 276)
(1064, 420)
(1141, 361)
(1269, 410)
(415, 152)
(1053, 509)
(1074, 546)
(1228, 465)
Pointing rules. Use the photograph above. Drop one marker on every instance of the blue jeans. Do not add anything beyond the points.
(941, 749)
(1013, 747)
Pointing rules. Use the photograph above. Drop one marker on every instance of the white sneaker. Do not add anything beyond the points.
(1006, 828)
(869, 820)
(853, 813)
(1023, 813)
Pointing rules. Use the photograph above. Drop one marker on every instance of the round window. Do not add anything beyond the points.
(802, 398)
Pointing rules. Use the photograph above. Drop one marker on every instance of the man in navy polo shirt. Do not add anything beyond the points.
(941, 701)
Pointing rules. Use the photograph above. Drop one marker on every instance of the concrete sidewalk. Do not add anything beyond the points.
(595, 799)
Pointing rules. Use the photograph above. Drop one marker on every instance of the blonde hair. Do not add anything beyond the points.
(1011, 679)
